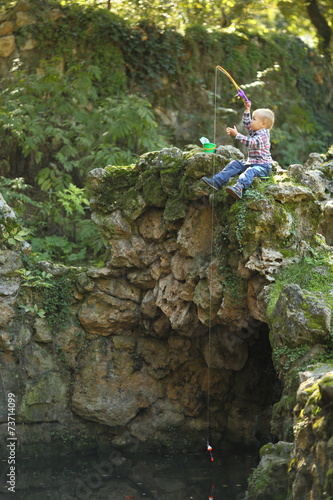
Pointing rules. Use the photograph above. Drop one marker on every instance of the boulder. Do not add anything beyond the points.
(299, 318)
(109, 388)
(103, 314)
(7, 45)
(289, 193)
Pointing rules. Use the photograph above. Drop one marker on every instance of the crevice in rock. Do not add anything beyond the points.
(252, 390)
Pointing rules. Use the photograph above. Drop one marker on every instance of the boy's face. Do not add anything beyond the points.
(257, 123)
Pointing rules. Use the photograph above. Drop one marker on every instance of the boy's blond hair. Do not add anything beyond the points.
(267, 116)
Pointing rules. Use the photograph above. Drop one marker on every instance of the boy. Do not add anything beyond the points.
(259, 161)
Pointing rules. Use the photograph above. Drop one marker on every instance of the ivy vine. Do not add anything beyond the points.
(58, 300)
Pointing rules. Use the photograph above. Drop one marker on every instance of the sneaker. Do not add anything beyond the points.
(211, 183)
(235, 191)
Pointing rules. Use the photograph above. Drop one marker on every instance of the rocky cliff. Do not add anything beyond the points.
(204, 319)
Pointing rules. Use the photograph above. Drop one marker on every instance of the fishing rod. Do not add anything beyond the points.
(240, 93)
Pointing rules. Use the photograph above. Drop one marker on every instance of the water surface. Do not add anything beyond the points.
(114, 477)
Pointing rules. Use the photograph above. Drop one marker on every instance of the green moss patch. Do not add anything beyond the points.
(312, 273)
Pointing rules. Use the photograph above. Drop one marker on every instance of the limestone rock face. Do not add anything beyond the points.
(7, 45)
(266, 261)
(287, 192)
(194, 236)
(326, 226)
(177, 315)
(103, 314)
(191, 281)
(180, 312)
(302, 469)
(269, 480)
(300, 318)
(108, 388)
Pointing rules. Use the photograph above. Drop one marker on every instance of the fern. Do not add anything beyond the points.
(73, 200)
(58, 249)
(89, 235)
(64, 129)
(12, 191)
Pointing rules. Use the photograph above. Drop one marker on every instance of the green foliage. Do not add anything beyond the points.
(34, 310)
(90, 237)
(33, 278)
(58, 249)
(234, 14)
(14, 235)
(76, 238)
(64, 210)
(62, 127)
(235, 287)
(73, 238)
(58, 300)
(289, 355)
(151, 55)
(13, 191)
(148, 52)
(314, 272)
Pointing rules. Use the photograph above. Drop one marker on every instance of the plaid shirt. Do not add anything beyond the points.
(258, 143)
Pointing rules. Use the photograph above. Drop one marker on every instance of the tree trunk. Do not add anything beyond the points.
(323, 29)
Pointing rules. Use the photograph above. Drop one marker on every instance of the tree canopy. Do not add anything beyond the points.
(310, 19)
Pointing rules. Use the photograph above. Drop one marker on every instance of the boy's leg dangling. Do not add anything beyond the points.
(233, 168)
(235, 191)
(211, 183)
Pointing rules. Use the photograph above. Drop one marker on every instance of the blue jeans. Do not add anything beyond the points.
(247, 172)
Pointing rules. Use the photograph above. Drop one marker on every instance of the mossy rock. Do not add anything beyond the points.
(303, 313)
(117, 181)
(146, 160)
(45, 399)
(329, 484)
(203, 164)
(280, 449)
(269, 481)
(170, 178)
(152, 191)
(175, 208)
(120, 177)
(133, 204)
(326, 389)
(282, 416)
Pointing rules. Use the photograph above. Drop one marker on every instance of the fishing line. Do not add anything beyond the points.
(240, 94)
(209, 447)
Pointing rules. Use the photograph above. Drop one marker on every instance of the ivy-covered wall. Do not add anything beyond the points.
(176, 72)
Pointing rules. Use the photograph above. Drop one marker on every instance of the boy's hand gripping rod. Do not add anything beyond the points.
(240, 92)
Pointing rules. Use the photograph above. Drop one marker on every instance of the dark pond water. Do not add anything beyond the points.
(114, 477)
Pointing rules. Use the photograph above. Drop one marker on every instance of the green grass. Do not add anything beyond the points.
(314, 274)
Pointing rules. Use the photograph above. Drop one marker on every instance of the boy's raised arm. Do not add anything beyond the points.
(247, 105)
